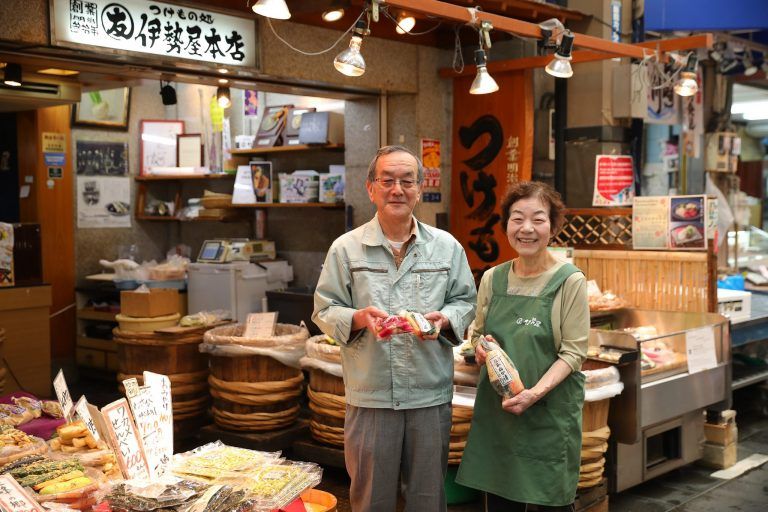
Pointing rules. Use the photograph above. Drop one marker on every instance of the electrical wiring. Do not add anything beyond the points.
(394, 20)
(320, 52)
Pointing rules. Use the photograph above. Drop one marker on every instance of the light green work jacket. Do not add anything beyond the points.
(403, 372)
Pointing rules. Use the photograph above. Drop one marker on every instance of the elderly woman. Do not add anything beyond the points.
(526, 449)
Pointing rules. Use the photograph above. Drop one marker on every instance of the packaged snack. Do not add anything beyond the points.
(501, 370)
(404, 322)
(421, 326)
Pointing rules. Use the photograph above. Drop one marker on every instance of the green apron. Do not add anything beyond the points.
(534, 457)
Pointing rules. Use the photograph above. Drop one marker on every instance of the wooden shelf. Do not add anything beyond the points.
(97, 343)
(285, 149)
(180, 177)
(92, 314)
(162, 218)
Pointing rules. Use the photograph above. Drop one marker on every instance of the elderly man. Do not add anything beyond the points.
(399, 389)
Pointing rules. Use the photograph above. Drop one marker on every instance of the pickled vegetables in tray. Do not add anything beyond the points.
(275, 485)
(502, 373)
(404, 322)
(216, 460)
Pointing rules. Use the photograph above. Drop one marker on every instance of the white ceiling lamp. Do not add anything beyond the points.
(223, 97)
(560, 65)
(687, 85)
(483, 82)
(350, 62)
(717, 53)
(405, 23)
(276, 9)
(333, 15)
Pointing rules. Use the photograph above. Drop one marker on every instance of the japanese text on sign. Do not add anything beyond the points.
(82, 411)
(62, 393)
(14, 499)
(157, 28)
(160, 390)
(125, 440)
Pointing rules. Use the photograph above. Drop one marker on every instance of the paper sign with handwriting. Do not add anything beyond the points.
(14, 499)
(82, 411)
(700, 349)
(258, 325)
(62, 393)
(147, 416)
(125, 439)
(160, 390)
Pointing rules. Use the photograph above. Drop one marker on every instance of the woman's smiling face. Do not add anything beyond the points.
(529, 227)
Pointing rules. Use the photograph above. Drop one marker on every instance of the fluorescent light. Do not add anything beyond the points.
(272, 9)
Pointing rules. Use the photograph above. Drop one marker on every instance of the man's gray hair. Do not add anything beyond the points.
(386, 150)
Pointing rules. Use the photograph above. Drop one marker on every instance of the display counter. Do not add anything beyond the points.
(657, 421)
(748, 340)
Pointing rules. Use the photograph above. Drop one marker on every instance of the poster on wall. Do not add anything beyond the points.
(670, 222)
(614, 181)
(103, 202)
(430, 157)
(662, 101)
(490, 151)
(99, 158)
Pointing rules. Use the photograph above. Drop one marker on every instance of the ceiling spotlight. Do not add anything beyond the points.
(687, 85)
(223, 81)
(350, 62)
(405, 23)
(718, 52)
(560, 65)
(333, 15)
(167, 93)
(12, 75)
(483, 82)
(272, 9)
(749, 66)
(223, 97)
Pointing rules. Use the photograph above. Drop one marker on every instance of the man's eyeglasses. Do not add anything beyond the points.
(388, 183)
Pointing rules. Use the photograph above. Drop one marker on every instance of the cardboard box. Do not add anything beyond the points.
(723, 434)
(157, 302)
(719, 457)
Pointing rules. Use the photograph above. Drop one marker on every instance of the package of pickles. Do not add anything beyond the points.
(213, 461)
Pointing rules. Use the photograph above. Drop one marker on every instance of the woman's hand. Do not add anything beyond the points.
(480, 353)
(519, 403)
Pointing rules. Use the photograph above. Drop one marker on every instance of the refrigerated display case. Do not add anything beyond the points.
(657, 422)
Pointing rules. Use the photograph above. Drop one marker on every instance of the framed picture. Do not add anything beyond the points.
(261, 177)
(189, 150)
(103, 109)
(100, 158)
(158, 143)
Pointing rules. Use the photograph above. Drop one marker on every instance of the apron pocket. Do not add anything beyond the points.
(537, 434)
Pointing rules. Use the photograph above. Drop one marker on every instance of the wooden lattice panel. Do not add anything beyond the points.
(660, 280)
(596, 227)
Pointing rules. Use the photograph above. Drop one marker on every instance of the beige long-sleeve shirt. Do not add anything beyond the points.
(570, 310)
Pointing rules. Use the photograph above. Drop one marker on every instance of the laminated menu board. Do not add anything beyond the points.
(670, 222)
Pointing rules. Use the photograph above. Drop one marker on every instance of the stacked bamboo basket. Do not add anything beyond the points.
(461, 420)
(3, 370)
(254, 393)
(594, 442)
(174, 355)
(325, 392)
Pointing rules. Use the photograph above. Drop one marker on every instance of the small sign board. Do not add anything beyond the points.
(160, 389)
(82, 411)
(258, 325)
(62, 393)
(700, 349)
(15, 499)
(125, 439)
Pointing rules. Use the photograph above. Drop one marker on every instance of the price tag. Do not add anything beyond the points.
(159, 387)
(260, 325)
(146, 413)
(81, 407)
(125, 439)
(14, 499)
(62, 393)
(700, 349)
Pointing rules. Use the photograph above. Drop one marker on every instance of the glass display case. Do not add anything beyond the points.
(657, 420)
(747, 248)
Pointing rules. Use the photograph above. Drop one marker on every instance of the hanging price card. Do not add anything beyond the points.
(125, 439)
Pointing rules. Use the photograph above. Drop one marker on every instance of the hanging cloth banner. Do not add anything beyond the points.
(492, 147)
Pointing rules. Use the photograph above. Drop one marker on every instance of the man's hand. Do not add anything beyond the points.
(366, 318)
(440, 321)
(518, 404)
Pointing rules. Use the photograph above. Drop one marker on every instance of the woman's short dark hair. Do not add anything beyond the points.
(542, 192)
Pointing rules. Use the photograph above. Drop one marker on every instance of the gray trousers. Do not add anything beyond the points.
(382, 446)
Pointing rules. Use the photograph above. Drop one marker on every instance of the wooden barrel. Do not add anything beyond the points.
(254, 393)
(461, 419)
(3, 371)
(328, 406)
(174, 355)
